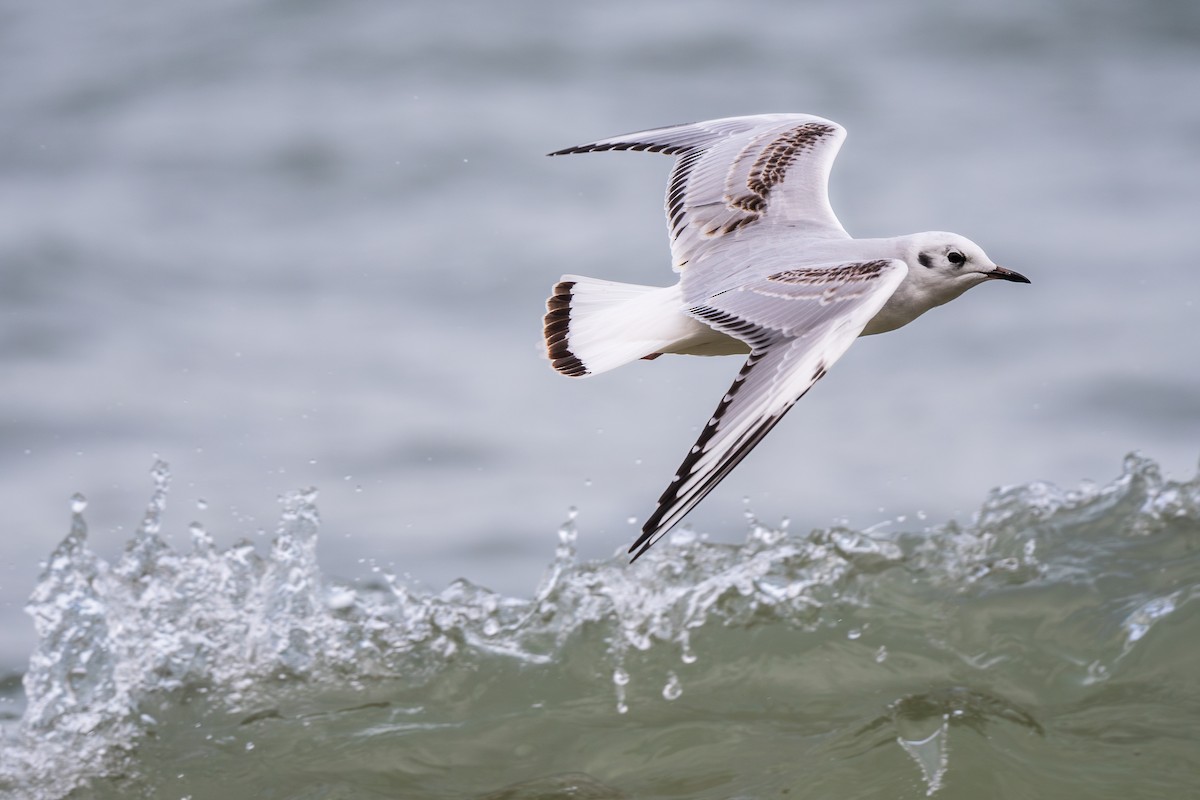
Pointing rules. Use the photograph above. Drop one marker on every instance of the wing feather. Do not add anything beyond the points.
(798, 322)
(736, 175)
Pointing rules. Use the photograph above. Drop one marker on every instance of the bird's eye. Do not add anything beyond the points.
(955, 257)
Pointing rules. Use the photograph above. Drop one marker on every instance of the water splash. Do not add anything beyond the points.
(922, 724)
(673, 690)
(930, 752)
(240, 626)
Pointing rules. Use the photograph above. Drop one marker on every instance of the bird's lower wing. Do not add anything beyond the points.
(797, 323)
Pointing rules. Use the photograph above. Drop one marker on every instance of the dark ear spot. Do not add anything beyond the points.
(925, 260)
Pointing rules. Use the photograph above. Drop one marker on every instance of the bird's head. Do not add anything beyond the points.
(944, 265)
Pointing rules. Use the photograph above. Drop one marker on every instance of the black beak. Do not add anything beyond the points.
(1007, 275)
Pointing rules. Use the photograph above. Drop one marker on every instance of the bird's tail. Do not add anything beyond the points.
(593, 325)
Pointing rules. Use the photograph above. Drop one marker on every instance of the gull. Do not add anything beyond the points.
(766, 270)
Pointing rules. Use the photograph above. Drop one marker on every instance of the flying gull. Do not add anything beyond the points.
(766, 270)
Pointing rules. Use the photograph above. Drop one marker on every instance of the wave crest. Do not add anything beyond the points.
(239, 627)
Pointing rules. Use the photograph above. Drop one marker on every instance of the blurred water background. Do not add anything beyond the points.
(291, 244)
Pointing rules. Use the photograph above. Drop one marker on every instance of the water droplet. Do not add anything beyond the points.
(78, 503)
(978, 571)
(881, 654)
(249, 745)
(202, 504)
(161, 472)
(622, 708)
(681, 537)
(340, 599)
(620, 677)
(631, 520)
(587, 482)
(673, 689)
(687, 657)
(853, 633)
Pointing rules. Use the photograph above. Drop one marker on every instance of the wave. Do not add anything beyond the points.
(807, 660)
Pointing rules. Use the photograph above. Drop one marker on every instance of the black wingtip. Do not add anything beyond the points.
(643, 543)
(653, 528)
(640, 551)
(639, 147)
(581, 148)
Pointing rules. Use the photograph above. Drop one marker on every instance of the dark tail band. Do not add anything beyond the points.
(557, 324)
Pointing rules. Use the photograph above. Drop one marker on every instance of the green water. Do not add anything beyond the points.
(1048, 649)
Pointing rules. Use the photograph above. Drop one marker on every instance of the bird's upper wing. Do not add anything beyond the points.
(737, 176)
(797, 323)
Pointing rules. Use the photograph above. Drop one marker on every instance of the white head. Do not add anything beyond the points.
(941, 266)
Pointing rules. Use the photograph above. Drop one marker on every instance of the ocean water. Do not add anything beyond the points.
(283, 245)
(1045, 649)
